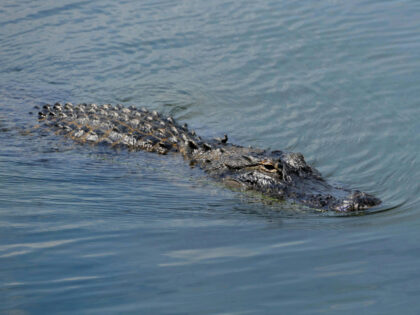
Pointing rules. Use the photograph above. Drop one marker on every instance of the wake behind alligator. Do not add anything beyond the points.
(282, 175)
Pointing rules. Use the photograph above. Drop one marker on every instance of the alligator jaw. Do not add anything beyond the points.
(357, 200)
(321, 195)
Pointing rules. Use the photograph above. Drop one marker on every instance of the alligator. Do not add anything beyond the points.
(278, 174)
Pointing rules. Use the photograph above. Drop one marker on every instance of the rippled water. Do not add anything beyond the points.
(90, 231)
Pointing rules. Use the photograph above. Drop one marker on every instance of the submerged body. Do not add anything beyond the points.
(282, 175)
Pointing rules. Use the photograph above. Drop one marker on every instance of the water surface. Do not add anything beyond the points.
(94, 231)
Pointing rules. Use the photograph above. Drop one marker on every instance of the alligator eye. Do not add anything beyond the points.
(268, 167)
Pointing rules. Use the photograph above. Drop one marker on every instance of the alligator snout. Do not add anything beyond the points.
(357, 200)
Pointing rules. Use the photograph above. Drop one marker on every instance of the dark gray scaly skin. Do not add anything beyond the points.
(283, 175)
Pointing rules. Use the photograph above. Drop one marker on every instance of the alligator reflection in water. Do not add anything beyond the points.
(283, 175)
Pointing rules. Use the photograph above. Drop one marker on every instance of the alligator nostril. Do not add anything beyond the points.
(357, 200)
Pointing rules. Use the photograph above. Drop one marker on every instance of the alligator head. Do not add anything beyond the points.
(283, 176)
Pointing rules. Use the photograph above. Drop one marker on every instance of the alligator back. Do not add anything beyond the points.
(117, 126)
